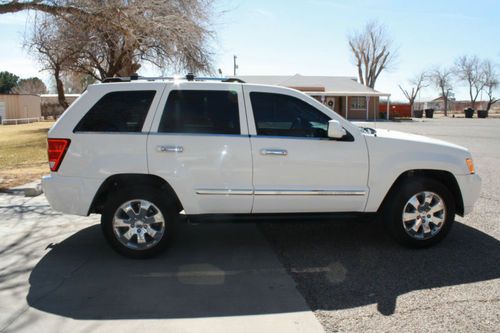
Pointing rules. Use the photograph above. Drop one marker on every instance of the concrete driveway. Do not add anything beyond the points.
(58, 275)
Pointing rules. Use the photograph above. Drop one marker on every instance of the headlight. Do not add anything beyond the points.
(470, 165)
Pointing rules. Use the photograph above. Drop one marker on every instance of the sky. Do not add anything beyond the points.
(309, 37)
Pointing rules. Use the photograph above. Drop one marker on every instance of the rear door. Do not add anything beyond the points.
(199, 143)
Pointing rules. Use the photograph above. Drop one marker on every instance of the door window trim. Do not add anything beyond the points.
(252, 127)
(197, 86)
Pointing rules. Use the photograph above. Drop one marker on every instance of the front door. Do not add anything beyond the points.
(296, 168)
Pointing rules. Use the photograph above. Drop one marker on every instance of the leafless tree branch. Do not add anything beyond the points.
(492, 82)
(417, 83)
(442, 79)
(469, 69)
(372, 51)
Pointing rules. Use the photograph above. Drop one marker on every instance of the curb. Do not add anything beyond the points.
(31, 189)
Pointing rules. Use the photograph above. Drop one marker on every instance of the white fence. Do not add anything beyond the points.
(20, 121)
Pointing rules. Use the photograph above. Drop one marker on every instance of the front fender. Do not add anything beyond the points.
(390, 158)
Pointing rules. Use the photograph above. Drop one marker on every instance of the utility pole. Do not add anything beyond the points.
(235, 66)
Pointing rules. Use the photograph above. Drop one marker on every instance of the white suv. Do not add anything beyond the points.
(141, 152)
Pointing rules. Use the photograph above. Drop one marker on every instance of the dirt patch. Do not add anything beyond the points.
(23, 153)
(15, 177)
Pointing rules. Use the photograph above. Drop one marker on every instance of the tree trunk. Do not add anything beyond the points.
(490, 103)
(60, 89)
(445, 102)
(360, 74)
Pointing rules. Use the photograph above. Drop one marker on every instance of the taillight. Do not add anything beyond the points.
(57, 149)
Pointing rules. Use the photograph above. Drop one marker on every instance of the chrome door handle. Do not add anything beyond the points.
(169, 149)
(277, 152)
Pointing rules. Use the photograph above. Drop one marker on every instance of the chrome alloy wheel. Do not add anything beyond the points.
(138, 224)
(424, 215)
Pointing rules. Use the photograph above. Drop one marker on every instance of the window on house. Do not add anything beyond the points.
(358, 102)
(201, 111)
(119, 111)
(283, 115)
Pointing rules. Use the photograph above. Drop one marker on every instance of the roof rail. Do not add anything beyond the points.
(188, 77)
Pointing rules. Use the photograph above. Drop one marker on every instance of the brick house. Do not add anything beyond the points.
(344, 95)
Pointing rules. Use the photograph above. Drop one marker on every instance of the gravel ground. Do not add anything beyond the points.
(355, 278)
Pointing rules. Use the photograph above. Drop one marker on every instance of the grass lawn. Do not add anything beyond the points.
(23, 153)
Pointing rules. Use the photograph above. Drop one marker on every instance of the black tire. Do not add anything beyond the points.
(155, 196)
(392, 213)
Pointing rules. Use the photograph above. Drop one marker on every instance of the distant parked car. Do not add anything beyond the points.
(140, 152)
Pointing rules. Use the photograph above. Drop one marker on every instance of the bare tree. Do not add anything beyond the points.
(492, 82)
(373, 52)
(118, 36)
(417, 83)
(469, 69)
(32, 86)
(114, 38)
(45, 44)
(442, 79)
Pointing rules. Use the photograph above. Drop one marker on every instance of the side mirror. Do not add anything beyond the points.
(335, 130)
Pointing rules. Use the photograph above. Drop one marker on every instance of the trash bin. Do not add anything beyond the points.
(418, 113)
(469, 112)
(429, 113)
(482, 113)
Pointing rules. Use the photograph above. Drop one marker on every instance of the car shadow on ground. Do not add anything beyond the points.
(209, 271)
(228, 269)
(342, 265)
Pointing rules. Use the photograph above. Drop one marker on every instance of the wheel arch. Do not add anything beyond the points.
(444, 177)
(123, 181)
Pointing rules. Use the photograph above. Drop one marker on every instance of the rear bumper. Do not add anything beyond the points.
(70, 195)
(470, 187)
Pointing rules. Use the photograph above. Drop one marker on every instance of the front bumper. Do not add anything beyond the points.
(470, 187)
(70, 195)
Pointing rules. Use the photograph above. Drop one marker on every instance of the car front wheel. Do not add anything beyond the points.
(420, 212)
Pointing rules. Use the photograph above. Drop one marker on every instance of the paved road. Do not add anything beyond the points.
(357, 279)
(57, 274)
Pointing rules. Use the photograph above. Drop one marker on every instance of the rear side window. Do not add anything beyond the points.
(201, 111)
(119, 111)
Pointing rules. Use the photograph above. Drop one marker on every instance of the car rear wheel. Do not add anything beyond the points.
(138, 222)
(420, 212)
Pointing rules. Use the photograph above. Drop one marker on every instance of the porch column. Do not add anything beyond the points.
(367, 106)
(346, 107)
(388, 101)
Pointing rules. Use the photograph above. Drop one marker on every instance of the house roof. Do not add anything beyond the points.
(316, 85)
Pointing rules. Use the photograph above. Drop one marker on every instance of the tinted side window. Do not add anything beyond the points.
(282, 115)
(119, 111)
(201, 111)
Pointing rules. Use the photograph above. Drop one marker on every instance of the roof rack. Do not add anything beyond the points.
(188, 77)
